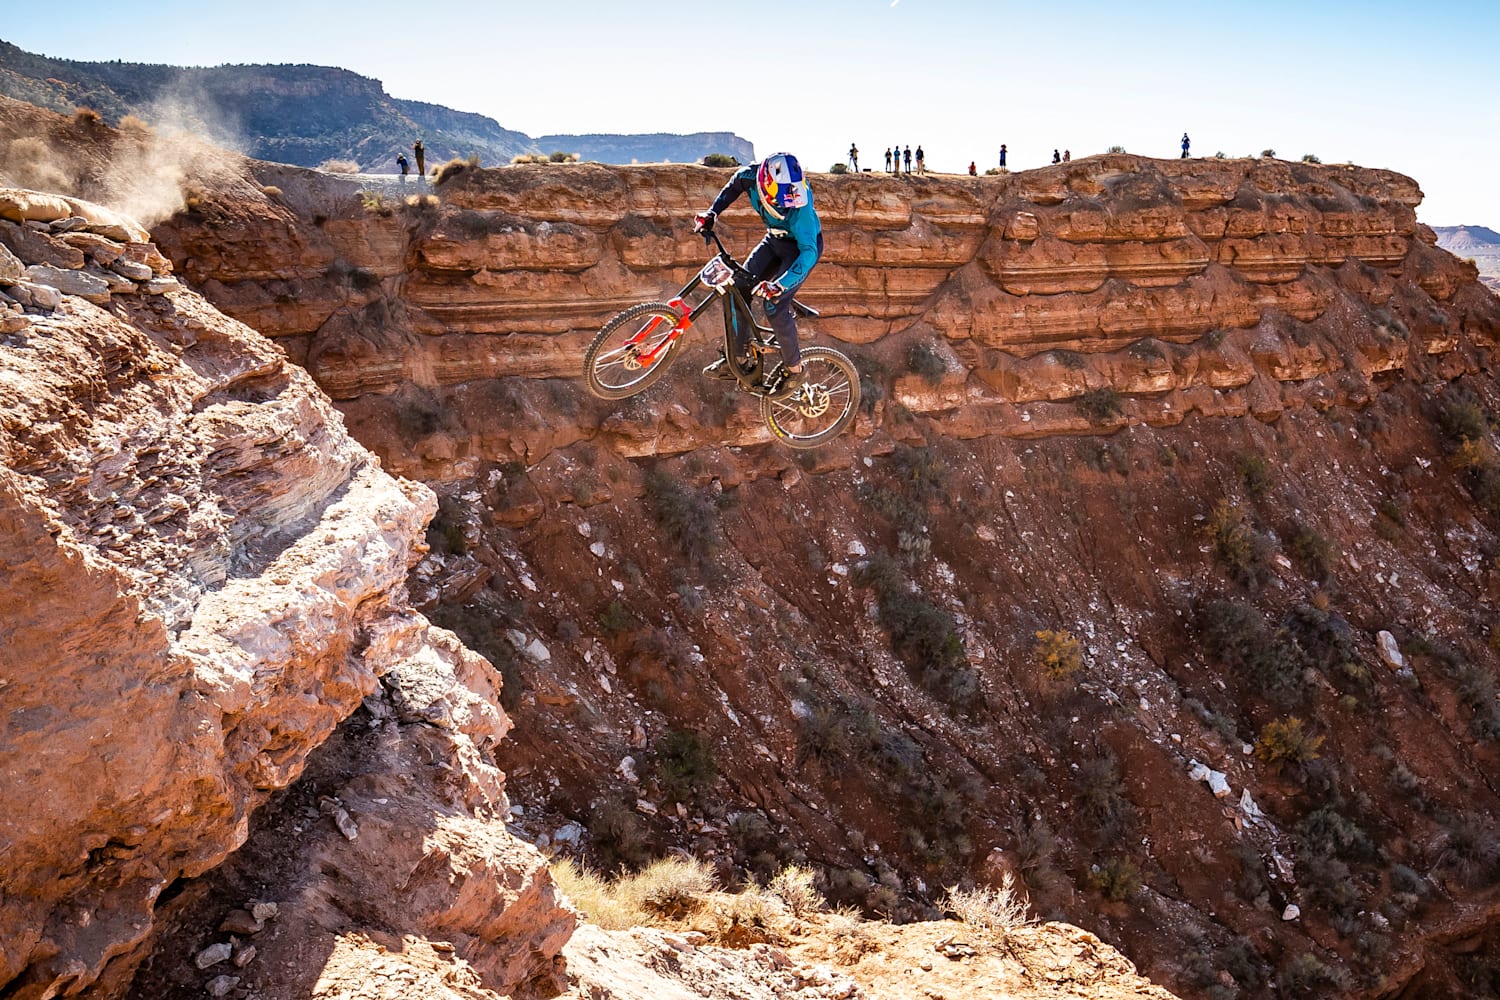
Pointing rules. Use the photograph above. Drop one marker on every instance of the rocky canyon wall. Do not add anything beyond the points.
(1119, 398)
(201, 576)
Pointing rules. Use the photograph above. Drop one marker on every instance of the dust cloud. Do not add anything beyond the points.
(144, 169)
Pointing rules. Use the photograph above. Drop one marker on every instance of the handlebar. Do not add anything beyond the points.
(712, 234)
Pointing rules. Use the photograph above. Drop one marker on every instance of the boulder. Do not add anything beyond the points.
(34, 247)
(11, 268)
(1390, 652)
(19, 205)
(70, 282)
(109, 223)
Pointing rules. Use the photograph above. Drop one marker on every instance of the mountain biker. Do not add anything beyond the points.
(779, 264)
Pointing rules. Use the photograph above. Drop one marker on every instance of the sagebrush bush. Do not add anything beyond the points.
(686, 515)
(720, 160)
(1328, 832)
(839, 168)
(923, 635)
(1285, 741)
(616, 619)
(1237, 635)
(672, 886)
(1253, 473)
(558, 156)
(796, 887)
(991, 910)
(685, 765)
(452, 169)
(1236, 546)
(924, 360)
(1100, 404)
(1117, 878)
(1058, 653)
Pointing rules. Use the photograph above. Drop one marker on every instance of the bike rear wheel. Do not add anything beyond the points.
(632, 350)
(822, 408)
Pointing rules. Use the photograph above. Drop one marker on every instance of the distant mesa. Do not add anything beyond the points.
(306, 115)
(1478, 242)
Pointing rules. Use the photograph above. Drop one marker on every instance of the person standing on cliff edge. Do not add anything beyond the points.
(421, 155)
(1002, 156)
(854, 157)
(887, 159)
(779, 264)
(1184, 146)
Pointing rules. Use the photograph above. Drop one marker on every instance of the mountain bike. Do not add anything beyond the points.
(634, 349)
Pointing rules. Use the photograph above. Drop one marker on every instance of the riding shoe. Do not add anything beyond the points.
(784, 383)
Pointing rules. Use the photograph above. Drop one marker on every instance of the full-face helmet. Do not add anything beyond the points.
(780, 181)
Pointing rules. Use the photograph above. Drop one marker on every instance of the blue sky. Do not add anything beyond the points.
(1406, 86)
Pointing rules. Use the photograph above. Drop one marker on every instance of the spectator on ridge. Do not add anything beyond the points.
(973, 170)
(1002, 154)
(405, 166)
(1067, 155)
(907, 156)
(1184, 145)
(854, 157)
(887, 159)
(421, 155)
(921, 160)
(1056, 156)
(896, 160)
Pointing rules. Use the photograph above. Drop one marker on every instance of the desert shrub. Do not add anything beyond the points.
(1236, 546)
(1115, 149)
(1313, 551)
(1238, 636)
(452, 169)
(1328, 832)
(1059, 654)
(336, 166)
(1253, 473)
(720, 160)
(1101, 797)
(558, 156)
(685, 765)
(1328, 641)
(616, 619)
(839, 168)
(1271, 153)
(616, 834)
(378, 204)
(1472, 847)
(1306, 975)
(996, 171)
(1035, 846)
(672, 887)
(1310, 158)
(923, 635)
(925, 361)
(758, 848)
(1116, 878)
(1461, 416)
(795, 886)
(87, 117)
(990, 910)
(1286, 742)
(596, 897)
(687, 517)
(1100, 404)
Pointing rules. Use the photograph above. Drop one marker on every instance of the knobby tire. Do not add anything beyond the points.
(606, 363)
(806, 420)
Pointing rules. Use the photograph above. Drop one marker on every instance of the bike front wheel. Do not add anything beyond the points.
(632, 350)
(822, 408)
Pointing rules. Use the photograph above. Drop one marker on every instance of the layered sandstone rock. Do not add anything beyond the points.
(1216, 286)
(202, 575)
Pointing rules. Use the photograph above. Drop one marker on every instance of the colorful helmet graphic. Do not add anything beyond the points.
(781, 183)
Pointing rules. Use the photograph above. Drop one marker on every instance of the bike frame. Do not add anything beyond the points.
(762, 338)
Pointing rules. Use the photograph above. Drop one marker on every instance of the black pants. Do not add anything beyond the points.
(771, 257)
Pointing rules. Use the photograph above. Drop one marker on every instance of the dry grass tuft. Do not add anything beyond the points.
(991, 911)
(794, 887)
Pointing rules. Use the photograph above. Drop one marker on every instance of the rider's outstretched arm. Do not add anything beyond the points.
(742, 181)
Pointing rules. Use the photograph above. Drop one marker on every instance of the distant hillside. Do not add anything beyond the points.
(1478, 242)
(304, 115)
(652, 148)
